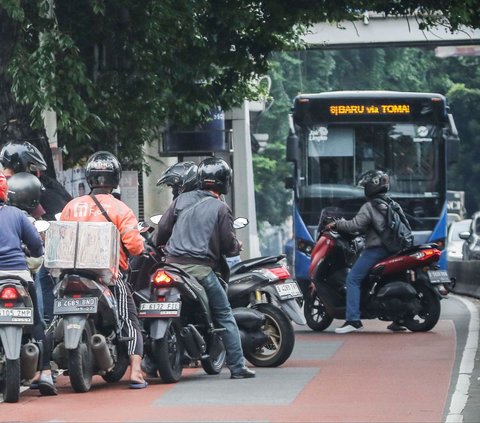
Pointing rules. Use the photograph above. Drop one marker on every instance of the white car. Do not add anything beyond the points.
(454, 242)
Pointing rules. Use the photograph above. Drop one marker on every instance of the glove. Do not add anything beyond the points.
(34, 263)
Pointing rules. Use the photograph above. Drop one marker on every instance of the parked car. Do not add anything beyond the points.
(454, 242)
(471, 246)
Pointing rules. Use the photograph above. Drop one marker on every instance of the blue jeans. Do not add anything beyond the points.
(44, 284)
(223, 317)
(368, 258)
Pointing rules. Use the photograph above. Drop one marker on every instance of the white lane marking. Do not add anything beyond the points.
(460, 396)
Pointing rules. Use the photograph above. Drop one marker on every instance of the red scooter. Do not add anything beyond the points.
(406, 287)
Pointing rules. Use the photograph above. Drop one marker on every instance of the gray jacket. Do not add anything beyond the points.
(363, 223)
(197, 228)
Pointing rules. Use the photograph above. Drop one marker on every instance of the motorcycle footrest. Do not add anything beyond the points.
(218, 330)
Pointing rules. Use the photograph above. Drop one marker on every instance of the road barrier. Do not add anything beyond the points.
(467, 274)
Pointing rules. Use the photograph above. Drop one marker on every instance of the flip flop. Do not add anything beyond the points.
(138, 385)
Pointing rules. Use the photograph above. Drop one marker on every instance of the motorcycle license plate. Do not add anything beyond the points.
(164, 309)
(438, 276)
(16, 316)
(288, 290)
(75, 305)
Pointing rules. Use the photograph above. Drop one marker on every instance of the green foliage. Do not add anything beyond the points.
(115, 71)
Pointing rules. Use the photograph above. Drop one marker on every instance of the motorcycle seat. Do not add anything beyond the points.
(245, 265)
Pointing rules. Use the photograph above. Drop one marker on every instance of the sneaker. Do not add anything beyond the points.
(350, 326)
(396, 327)
(46, 385)
(244, 373)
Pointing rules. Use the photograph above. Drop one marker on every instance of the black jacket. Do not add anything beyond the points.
(54, 198)
(197, 228)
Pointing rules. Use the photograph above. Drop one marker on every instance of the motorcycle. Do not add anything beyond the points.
(406, 287)
(178, 324)
(87, 330)
(264, 284)
(19, 352)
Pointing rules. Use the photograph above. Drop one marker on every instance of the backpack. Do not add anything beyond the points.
(398, 233)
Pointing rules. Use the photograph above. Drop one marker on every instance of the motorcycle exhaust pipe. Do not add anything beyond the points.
(29, 360)
(102, 355)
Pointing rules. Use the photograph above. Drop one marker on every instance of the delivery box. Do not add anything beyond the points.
(93, 246)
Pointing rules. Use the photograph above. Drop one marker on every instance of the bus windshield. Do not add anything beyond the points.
(335, 155)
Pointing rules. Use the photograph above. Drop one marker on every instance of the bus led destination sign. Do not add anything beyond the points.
(361, 109)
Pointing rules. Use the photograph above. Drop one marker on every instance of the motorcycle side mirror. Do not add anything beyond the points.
(41, 225)
(156, 218)
(240, 222)
(57, 216)
(142, 227)
(464, 235)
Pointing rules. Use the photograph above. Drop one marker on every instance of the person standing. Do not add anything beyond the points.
(103, 173)
(197, 230)
(371, 221)
(17, 229)
(21, 156)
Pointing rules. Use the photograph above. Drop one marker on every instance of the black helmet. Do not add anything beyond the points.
(21, 156)
(374, 182)
(215, 174)
(103, 170)
(181, 177)
(24, 191)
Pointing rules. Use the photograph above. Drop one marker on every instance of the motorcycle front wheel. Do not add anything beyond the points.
(216, 356)
(11, 380)
(429, 314)
(168, 354)
(281, 338)
(315, 312)
(80, 362)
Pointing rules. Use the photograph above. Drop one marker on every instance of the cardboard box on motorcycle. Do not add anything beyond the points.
(93, 246)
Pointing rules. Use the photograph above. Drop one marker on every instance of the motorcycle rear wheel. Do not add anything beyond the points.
(281, 338)
(315, 313)
(80, 362)
(216, 356)
(11, 380)
(120, 367)
(428, 317)
(168, 354)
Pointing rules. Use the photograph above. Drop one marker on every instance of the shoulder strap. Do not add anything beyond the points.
(107, 217)
(100, 207)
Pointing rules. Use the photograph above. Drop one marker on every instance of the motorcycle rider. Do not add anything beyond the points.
(197, 229)
(371, 221)
(180, 177)
(103, 173)
(22, 156)
(17, 229)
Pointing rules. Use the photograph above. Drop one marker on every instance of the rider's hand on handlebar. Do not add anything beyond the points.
(330, 226)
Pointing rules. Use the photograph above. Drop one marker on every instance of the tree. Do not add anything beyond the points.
(115, 71)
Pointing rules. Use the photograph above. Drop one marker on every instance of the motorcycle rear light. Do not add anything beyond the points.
(8, 305)
(161, 278)
(426, 254)
(9, 293)
(161, 299)
(76, 286)
(275, 273)
(77, 296)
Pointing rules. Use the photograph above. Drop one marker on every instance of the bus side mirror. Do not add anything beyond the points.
(289, 182)
(452, 149)
(292, 148)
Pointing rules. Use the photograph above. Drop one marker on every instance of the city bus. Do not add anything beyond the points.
(337, 136)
